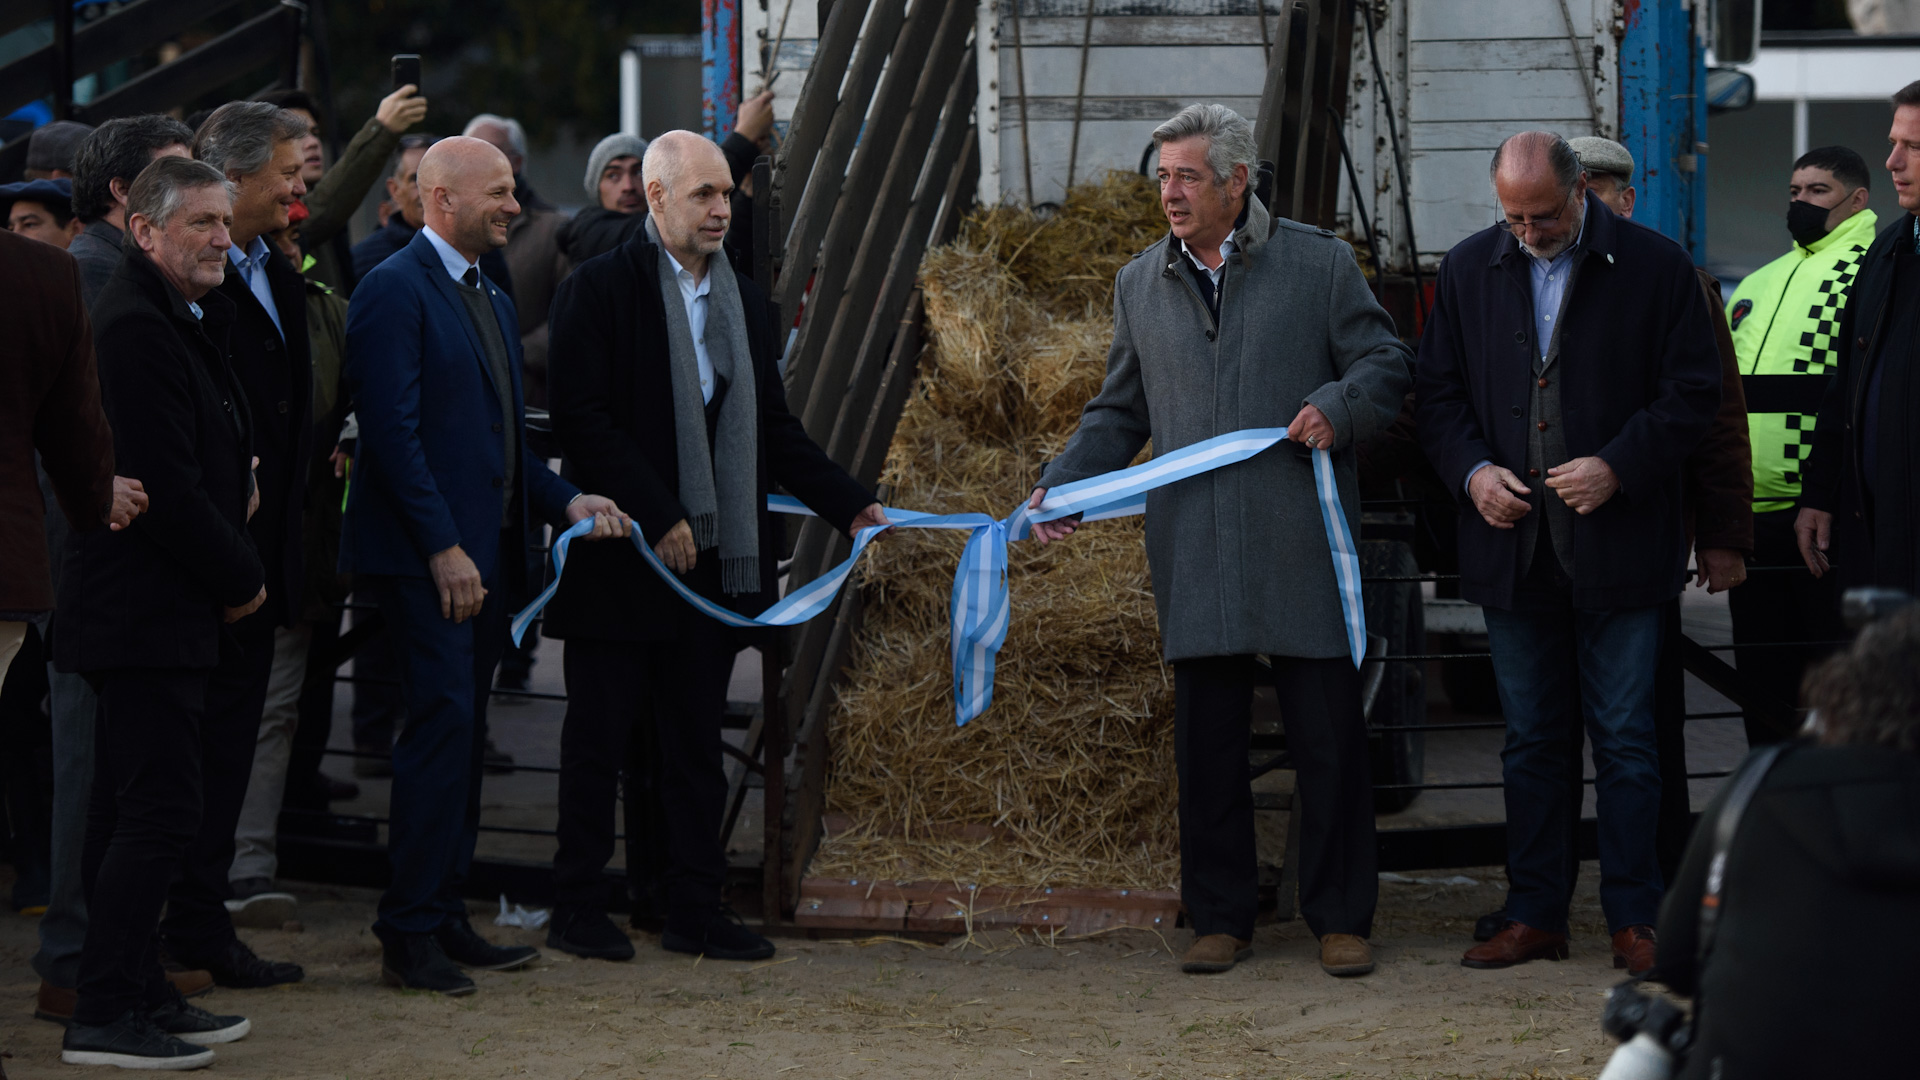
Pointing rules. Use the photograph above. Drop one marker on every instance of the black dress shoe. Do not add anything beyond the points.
(131, 1042)
(416, 962)
(589, 933)
(721, 937)
(467, 948)
(193, 1024)
(235, 966)
(1489, 924)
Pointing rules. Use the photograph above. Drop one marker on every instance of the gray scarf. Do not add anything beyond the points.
(719, 484)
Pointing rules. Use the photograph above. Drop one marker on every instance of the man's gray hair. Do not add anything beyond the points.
(238, 139)
(516, 135)
(1560, 155)
(162, 186)
(1229, 137)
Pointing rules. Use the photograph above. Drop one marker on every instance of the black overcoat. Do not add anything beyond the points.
(152, 595)
(611, 395)
(1641, 384)
(276, 375)
(1875, 332)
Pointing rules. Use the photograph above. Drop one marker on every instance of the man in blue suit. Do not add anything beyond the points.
(437, 525)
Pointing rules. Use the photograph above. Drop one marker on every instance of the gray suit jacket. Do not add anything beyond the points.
(1239, 556)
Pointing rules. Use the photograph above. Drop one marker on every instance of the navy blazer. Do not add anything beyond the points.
(1640, 384)
(429, 470)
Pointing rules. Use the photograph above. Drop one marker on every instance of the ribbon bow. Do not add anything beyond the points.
(981, 606)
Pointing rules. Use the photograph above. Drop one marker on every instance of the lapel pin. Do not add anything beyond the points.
(1609, 258)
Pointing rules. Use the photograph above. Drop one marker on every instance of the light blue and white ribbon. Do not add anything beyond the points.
(981, 608)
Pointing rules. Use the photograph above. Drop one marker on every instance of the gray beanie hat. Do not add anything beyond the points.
(613, 146)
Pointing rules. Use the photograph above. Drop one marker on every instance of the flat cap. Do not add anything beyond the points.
(52, 146)
(1603, 156)
(57, 194)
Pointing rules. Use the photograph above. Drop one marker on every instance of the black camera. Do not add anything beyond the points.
(1654, 1035)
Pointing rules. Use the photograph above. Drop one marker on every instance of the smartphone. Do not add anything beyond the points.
(406, 70)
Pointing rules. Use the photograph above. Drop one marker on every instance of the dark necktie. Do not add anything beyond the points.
(471, 277)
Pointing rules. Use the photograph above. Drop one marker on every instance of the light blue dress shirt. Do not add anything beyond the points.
(252, 264)
(695, 297)
(456, 263)
(1549, 288)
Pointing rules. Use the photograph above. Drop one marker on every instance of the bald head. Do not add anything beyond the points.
(466, 192)
(1542, 193)
(670, 156)
(688, 193)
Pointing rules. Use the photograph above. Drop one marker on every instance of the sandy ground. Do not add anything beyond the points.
(1113, 1006)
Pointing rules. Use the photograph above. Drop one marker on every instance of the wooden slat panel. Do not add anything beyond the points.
(944, 907)
(1471, 20)
(1524, 54)
(1154, 30)
(1197, 73)
(1497, 95)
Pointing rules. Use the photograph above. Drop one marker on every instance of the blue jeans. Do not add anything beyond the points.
(1549, 660)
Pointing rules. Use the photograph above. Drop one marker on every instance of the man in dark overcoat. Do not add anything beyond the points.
(1866, 458)
(665, 394)
(1567, 370)
(147, 613)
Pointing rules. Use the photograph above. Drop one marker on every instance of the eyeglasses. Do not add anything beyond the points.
(1505, 225)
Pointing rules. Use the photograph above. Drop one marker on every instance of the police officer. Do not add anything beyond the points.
(1785, 318)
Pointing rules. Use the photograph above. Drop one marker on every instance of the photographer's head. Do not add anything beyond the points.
(466, 194)
(1870, 694)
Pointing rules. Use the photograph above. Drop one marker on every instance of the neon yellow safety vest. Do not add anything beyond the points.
(1786, 324)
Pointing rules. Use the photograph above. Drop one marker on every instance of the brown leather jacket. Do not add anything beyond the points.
(1719, 498)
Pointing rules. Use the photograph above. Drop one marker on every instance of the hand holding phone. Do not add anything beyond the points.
(406, 70)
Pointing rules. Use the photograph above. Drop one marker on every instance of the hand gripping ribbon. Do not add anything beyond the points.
(981, 607)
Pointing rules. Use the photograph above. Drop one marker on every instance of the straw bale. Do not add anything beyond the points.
(1071, 771)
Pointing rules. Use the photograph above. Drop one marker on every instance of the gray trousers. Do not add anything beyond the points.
(63, 929)
(255, 853)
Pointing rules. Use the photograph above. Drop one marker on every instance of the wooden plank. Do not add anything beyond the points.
(1059, 9)
(1273, 92)
(1435, 136)
(909, 344)
(947, 907)
(892, 104)
(1510, 54)
(1161, 31)
(1195, 72)
(1326, 174)
(819, 97)
(1303, 103)
(816, 194)
(1471, 20)
(814, 754)
(1520, 96)
(888, 258)
(1152, 109)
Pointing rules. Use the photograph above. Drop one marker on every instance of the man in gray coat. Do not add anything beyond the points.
(1232, 323)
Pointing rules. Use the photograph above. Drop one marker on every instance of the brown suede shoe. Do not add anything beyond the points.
(1516, 943)
(1345, 954)
(1633, 949)
(55, 1003)
(1215, 953)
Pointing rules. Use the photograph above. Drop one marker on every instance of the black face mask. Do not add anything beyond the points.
(1807, 222)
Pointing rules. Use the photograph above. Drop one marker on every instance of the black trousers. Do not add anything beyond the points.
(1777, 606)
(144, 815)
(197, 920)
(1327, 735)
(672, 695)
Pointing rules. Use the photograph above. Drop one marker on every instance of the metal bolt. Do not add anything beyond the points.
(855, 881)
(1123, 892)
(1156, 918)
(1044, 918)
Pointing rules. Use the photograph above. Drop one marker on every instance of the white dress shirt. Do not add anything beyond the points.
(1227, 247)
(252, 264)
(695, 297)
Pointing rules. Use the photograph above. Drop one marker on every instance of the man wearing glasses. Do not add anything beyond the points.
(1565, 373)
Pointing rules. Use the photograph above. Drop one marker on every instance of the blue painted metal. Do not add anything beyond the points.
(1663, 113)
(719, 65)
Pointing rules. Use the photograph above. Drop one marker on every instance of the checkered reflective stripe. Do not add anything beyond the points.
(1825, 315)
(1822, 345)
